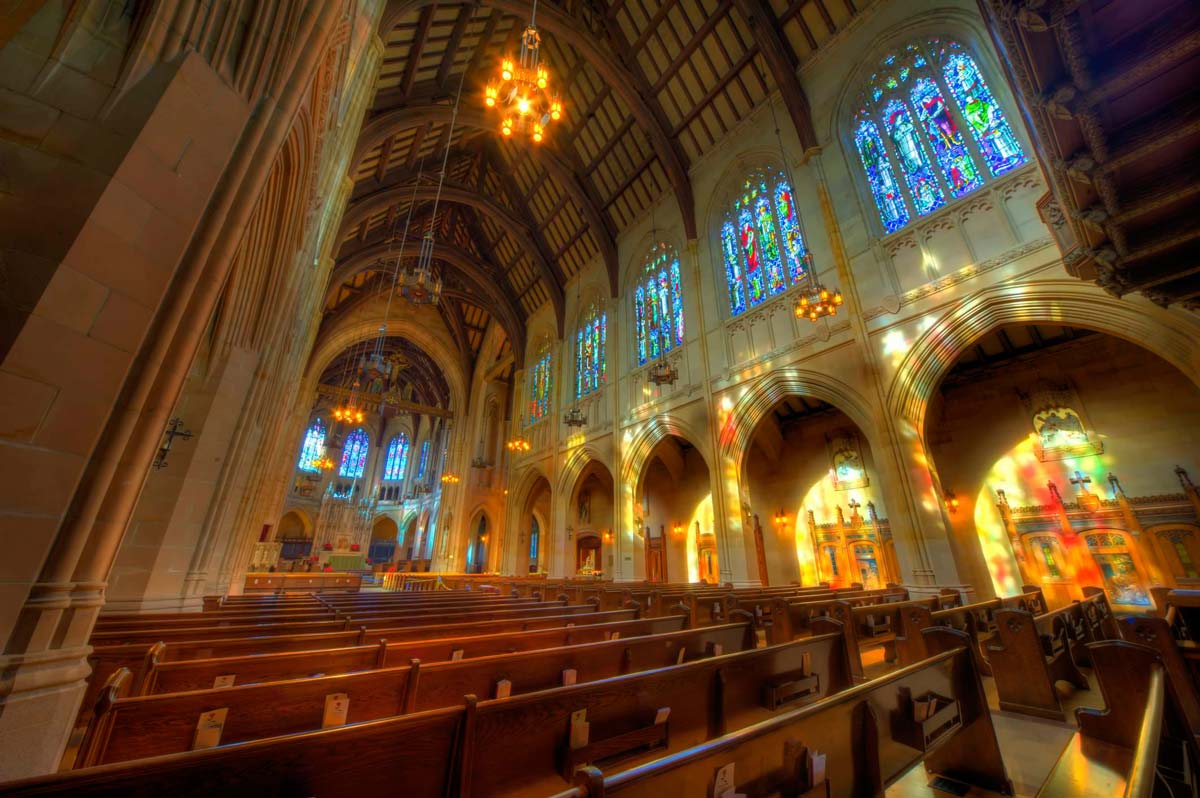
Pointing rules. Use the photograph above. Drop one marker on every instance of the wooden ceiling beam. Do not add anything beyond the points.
(781, 60)
(418, 47)
(452, 313)
(635, 94)
(475, 273)
(460, 28)
(555, 164)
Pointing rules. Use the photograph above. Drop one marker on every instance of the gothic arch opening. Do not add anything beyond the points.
(384, 540)
(478, 532)
(673, 512)
(1065, 458)
(533, 534)
(814, 503)
(591, 516)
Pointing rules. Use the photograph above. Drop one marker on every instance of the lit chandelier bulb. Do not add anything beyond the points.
(506, 127)
(537, 132)
(489, 96)
(506, 69)
(523, 105)
(555, 110)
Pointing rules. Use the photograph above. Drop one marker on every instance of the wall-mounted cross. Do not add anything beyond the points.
(1081, 480)
(173, 432)
(854, 504)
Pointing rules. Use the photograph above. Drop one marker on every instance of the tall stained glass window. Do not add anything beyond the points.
(761, 244)
(423, 462)
(930, 130)
(354, 455)
(658, 305)
(591, 358)
(539, 389)
(396, 461)
(312, 448)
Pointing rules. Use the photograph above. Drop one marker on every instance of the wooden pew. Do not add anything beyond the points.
(1029, 655)
(138, 657)
(976, 620)
(200, 674)
(386, 621)
(1134, 748)
(867, 734)
(414, 753)
(626, 718)
(125, 728)
(1155, 632)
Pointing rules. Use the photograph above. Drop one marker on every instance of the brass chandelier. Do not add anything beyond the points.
(521, 91)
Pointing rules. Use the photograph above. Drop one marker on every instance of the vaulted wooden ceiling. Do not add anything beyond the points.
(429, 386)
(1112, 91)
(649, 87)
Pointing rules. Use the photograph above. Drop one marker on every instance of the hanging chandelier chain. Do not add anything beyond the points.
(437, 197)
(412, 204)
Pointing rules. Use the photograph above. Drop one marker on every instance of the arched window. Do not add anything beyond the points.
(591, 353)
(396, 462)
(312, 448)
(761, 244)
(914, 112)
(539, 389)
(658, 305)
(354, 455)
(423, 463)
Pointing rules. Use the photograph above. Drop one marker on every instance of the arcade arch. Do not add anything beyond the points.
(673, 514)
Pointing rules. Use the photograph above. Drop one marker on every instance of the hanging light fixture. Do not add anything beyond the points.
(450, 479)
(574, 417)
(518, 444)
(815, 300)
(422, 284)
(349, 411)
(521, 92)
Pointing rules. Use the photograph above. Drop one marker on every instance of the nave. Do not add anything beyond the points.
(524, 687)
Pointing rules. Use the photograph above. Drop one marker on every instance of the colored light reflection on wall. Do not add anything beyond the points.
(823, 499)
(1023, 478)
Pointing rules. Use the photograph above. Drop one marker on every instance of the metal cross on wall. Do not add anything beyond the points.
(173, 432)
(1081, 480)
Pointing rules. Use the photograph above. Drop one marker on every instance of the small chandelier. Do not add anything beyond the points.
(818, 301)
(520, 93)
(323, 463)
(574, 417)
(663, 373)
(519, 444)
(349, 413)
(450, 479)
(421, 285)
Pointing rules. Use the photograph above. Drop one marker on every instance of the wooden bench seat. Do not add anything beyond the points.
(1029, 654)
(126, 728)
(705, 699)
(1138, 745)
(199, 674)
(867, 735)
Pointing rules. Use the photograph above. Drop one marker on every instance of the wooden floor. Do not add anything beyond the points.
(1030, 745)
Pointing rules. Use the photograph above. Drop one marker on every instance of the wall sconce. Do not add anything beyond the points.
(951, 502)
(677, 530)
(608, 536)
(483, 538)
(781, 518)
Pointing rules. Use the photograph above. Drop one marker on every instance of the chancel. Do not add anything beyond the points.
(620, 398)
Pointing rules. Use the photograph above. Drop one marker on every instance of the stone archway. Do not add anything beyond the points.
(591, 516)
(811, 492)
(479, 535)
(674, 514)
(385, 543)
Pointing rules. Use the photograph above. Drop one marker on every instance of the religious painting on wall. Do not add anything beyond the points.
(846, 462)
(1117, 568)
(1059, 422)
(866, 565)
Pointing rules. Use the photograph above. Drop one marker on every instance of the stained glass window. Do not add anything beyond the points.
(910, 135)
(761, 243)
(539, 389)
(397, 457)
(423, 462)
(354, 455)
(658, 305)
(312, 448)
(591, 360)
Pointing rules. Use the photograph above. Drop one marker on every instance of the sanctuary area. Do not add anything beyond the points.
(599, 398)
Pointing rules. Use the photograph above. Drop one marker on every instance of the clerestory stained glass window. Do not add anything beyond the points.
(354, 455)
(761, 244)
(312, 448)
(539, 389)
(397, 458)
(591, 358)
(423, 462)
(658, 305)
(930, 131)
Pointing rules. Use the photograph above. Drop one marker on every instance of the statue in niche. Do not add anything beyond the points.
(589, 562)
(846, 463)
(584, 506)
